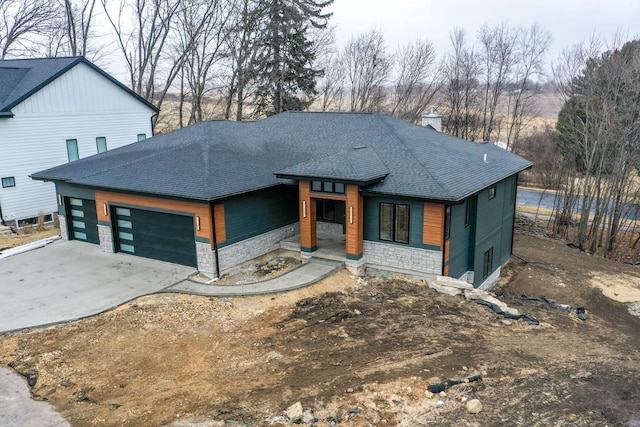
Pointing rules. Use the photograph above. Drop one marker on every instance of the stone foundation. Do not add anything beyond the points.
(490, 281)
(467, 277)
(64, 231)
(403, 257)
(206, 258)
(237, 253)
(106, 238)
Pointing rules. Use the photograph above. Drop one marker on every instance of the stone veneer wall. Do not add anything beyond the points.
(404, 257)
(329, 228)
(234, 254)
(491, 281)
(106, 238)
(467, 277)
(206, 258)
(64, 231)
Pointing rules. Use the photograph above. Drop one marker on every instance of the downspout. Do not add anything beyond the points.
(215, 237)
(2, 217)
(444, 241)
(513, 220)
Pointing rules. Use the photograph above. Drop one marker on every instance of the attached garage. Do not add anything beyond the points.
(82, 220)
(157, 235)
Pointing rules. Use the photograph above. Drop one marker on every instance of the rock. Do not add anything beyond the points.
(581, 374)
(442, 394)
(474, 406)
(453, 283)
(444, 289)
(279, 419)
(349, 390)
(476, 294)
(506, 322)
(428, 394)
(357, 312)
(295, 412)
(307, 417)
(464, 368)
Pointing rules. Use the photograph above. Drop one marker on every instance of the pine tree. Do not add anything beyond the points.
(285, 75)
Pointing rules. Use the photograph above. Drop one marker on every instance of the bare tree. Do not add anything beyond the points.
(202, 28)
(532, 46)
(142, 29)
(497, 58)
(79, 16)
(461, 89)
(367, 66)
(20, 22)
(416, 80)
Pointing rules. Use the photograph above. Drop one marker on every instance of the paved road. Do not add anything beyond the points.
(67, 280)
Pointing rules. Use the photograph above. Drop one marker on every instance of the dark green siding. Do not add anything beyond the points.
(461, 258)
(255, 213)
(494, 222)
(372, 221)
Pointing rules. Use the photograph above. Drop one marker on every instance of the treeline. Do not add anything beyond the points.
(242, 59)
(592, 156)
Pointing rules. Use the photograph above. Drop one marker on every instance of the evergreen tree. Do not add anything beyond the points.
(284, 71)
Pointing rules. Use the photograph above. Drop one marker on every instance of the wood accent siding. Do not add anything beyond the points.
(219, 223)
(308, 236)
(203, 210)
(433, 224)
(355, 230)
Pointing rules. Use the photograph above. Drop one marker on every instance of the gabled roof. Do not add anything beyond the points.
(217, 159)
(21, 78)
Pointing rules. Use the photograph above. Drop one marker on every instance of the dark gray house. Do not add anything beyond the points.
(215, 194)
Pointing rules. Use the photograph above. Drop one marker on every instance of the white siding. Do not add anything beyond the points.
(81, 105)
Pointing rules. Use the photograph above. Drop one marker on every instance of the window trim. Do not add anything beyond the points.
(98, 139)
(8, 181)
(487, 262)
(394, 222)
(77, 150)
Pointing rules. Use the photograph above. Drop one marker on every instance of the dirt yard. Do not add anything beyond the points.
(354, 352)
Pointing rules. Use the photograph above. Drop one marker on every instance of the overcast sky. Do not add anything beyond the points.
(569, 21)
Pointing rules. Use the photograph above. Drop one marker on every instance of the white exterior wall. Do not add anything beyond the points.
(81, 104)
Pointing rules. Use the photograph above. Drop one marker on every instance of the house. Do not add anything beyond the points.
(53, 111)
(213, 195)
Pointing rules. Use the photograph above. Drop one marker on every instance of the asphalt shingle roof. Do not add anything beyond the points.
(21, 78)
(216, 159)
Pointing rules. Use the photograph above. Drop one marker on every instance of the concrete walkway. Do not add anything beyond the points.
(17, 409)
(305, 275)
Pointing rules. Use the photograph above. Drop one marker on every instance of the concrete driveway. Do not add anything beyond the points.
(68, 280)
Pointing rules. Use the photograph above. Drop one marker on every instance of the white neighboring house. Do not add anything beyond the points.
(54, 111)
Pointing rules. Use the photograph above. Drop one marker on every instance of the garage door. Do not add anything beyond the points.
(82, 220)
(156, 235)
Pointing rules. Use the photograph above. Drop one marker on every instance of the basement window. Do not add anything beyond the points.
(487, 267)
(101, 144)
(9, 181)
(72, 150)
(142, 137)
(394, 222)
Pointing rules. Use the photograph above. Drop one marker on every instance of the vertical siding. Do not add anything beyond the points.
(461, 238)
(258, 212)
(355, 229)
(81, 105)
(307, 215)
(219, 224)
(433, 230)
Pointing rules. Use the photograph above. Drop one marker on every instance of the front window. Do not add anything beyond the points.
(394, 222)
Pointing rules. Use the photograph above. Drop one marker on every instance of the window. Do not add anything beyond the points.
(488, 263)
(492, 192)
(394, 222)
(467, 213)
(9, 181)
(142, 136)
(72, 150)
(327, 187)
(101, 143)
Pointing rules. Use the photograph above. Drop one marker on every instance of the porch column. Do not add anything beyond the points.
(354, 220)
(308, 238)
